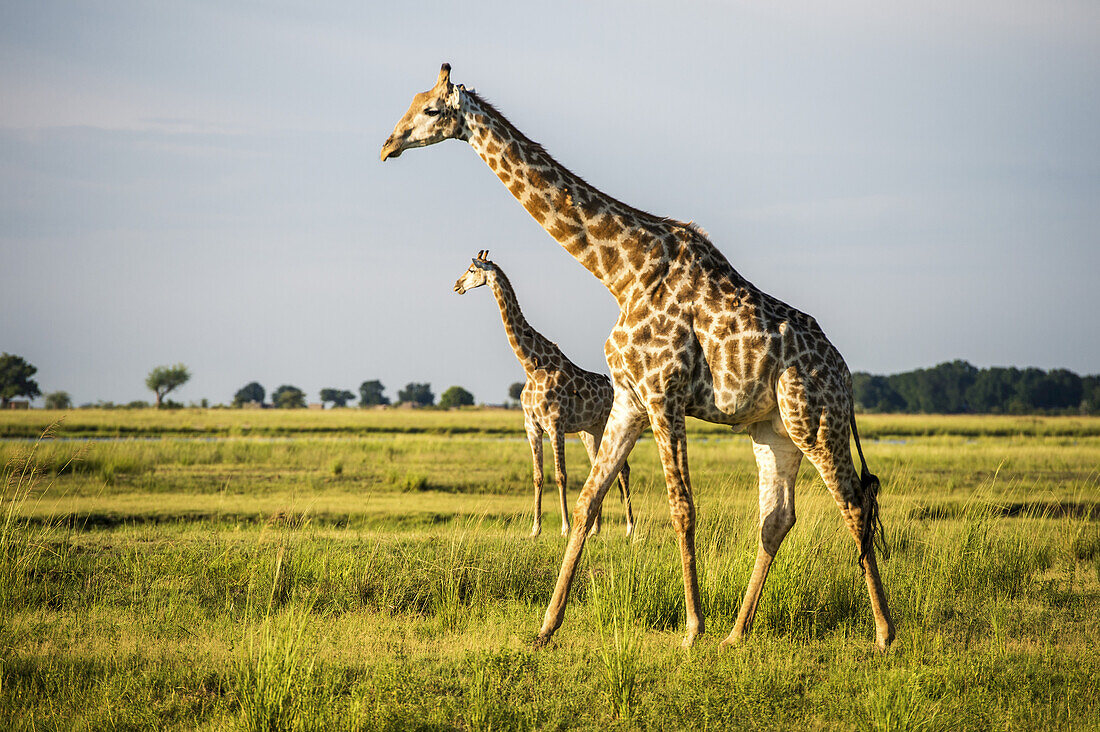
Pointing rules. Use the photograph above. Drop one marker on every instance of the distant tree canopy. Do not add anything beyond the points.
(15, 379)
(338, 397)
(515, 391)
(370, 394)
(417, 394)
(456, 396)
(164, 379)
(288, 397)
(59, 400)
(957, 387)
(250, 392)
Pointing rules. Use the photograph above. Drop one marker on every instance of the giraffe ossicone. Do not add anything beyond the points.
(693, 338)
(558, 396)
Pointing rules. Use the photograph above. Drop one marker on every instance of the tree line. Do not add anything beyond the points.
(958, 387)
(17, 380)
(954, 387)
(371, 394)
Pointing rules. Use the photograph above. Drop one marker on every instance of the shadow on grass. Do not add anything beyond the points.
(1089, 510)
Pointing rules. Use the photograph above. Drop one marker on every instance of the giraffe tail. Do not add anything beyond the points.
(871, 533)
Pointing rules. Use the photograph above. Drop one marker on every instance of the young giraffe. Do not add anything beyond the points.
(694, 338)
(559, 396)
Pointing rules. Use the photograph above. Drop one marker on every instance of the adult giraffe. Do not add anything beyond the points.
(694, 338)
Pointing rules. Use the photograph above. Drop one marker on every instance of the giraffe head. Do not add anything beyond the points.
(433, 116)
(477, 275)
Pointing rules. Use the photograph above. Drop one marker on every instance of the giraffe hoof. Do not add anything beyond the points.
(729, 643)
(541, 641)
(735, 638)
(535, 532)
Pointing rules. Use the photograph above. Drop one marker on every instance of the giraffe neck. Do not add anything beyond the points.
(610, 239)
(521, 336)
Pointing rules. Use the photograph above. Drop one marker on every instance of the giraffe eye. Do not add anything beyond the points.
(431, 112)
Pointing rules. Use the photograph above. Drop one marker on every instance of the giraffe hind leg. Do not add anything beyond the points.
(557, 442)
(624, 494)
(534, 437)
(592, 447)
(777, 460)
(830, 453)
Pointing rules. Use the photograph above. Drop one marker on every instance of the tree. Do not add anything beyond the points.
(59, 400)
(250, 392)
(993, 389)
(874, 394)
(1090, 394)
(456, 396)
(1063, 389)
(417, 393)
(15, 379)
(288, 397)
(515, 391)
(1029, 391)
(338, 397)
(942, 389)
(370, 394)
(164, 379)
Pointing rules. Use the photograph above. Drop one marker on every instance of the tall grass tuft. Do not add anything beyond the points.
(23, 543)
(612, 598)
(271, 679)
(458, 584)
(479, 705)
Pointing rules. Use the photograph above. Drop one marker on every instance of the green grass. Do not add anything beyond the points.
(464, 421)
(371, 579)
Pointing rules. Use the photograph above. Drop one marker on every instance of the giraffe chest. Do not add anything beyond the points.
(653, 353)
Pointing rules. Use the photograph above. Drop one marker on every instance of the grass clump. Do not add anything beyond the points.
(611, 597)
(25, 543)
(899, 702)
(272, 678)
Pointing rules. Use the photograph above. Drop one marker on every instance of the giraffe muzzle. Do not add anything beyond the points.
(390, 149)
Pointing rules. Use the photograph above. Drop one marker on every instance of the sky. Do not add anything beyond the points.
(199, 182)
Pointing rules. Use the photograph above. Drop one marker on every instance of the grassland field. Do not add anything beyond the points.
(362, 569)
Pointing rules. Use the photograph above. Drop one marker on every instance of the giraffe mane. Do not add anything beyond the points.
(697, 229)
(488, 106)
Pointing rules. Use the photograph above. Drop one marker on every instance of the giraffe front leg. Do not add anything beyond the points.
(667, 420)
(534, 437)
(623, 428)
